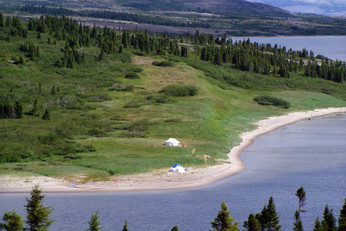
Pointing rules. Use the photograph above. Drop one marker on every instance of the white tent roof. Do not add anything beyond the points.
(172, 142)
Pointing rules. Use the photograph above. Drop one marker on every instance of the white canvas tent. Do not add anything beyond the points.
(172, 142)
(177, 168)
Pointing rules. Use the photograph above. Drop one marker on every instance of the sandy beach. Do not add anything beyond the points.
(162, 179)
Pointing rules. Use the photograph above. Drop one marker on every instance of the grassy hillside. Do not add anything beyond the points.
(107, 115)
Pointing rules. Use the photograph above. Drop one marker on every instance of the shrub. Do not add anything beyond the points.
(137, 69)
(132, 104)
(158, 99)
(132, 75)
(269, 100)
(179, 90)
(163, 63)
(173, 120)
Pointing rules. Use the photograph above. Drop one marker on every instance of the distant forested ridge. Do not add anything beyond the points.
(139, 18)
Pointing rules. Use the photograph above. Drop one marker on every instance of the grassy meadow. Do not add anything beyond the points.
(103, 123)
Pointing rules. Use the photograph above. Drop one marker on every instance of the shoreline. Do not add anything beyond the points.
(162, 179)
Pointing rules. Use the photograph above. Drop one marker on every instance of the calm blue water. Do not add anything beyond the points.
(310, 153)
(333, 47)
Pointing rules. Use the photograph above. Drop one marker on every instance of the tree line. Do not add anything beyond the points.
(155, 20)
(243, 55)
(38, 217)
(267, 59)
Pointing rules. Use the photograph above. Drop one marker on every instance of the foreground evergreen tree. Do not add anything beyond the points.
(317, 226)
(301, 197)
(328, 222)
(125, 227)
(252, 224)
(175, 228)
(268, 218)
(223, 221)
(38, 215)
(13, 222)
(298, 225)
(342, 218)
(94, 224)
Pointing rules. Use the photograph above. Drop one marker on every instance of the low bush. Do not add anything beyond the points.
(132, 75)
(132, 104)
(179, 90)
(163, 63)
(137, 69)
(158, 99)
(269, 100)
(174, 120)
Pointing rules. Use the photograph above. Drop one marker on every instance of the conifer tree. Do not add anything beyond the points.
(125, 227)
(175, 228)
(252, 224)
(46, 115)
(328, 222)
(38, 215)
(342, 218)
(273, 219)
(13, 222)
(223, 221)
(18, 109)
(94, 224)
(34, 110)
(2, 20)
(317, 226)
(301, 197)
(298, 225)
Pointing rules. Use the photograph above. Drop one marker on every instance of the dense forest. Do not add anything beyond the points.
(65, 86)
(38, 217)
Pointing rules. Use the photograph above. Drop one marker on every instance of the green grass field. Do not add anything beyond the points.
(97, 130)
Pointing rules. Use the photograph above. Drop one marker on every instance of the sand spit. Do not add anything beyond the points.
(162, 179)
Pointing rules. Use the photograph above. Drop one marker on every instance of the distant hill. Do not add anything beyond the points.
(219, 17)
(224, 7)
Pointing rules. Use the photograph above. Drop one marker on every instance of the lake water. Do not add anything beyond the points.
(310, 153)
(333, 47)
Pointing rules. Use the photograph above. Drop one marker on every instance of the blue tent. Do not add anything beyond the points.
(177, 168)
(176, 165)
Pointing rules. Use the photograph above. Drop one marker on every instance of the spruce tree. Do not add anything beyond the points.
(175, 228)
(342, 218)
(273, 219)
(328, 222)
(298, 225)
(38, 215)
(223, 221)
(252, 224)
(125, 227)
(2, 20)
(317, 226)
(13, 221)
(18, 109)
(46, 115)
(94, 224)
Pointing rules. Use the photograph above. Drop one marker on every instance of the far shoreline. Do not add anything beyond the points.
(161, 179)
